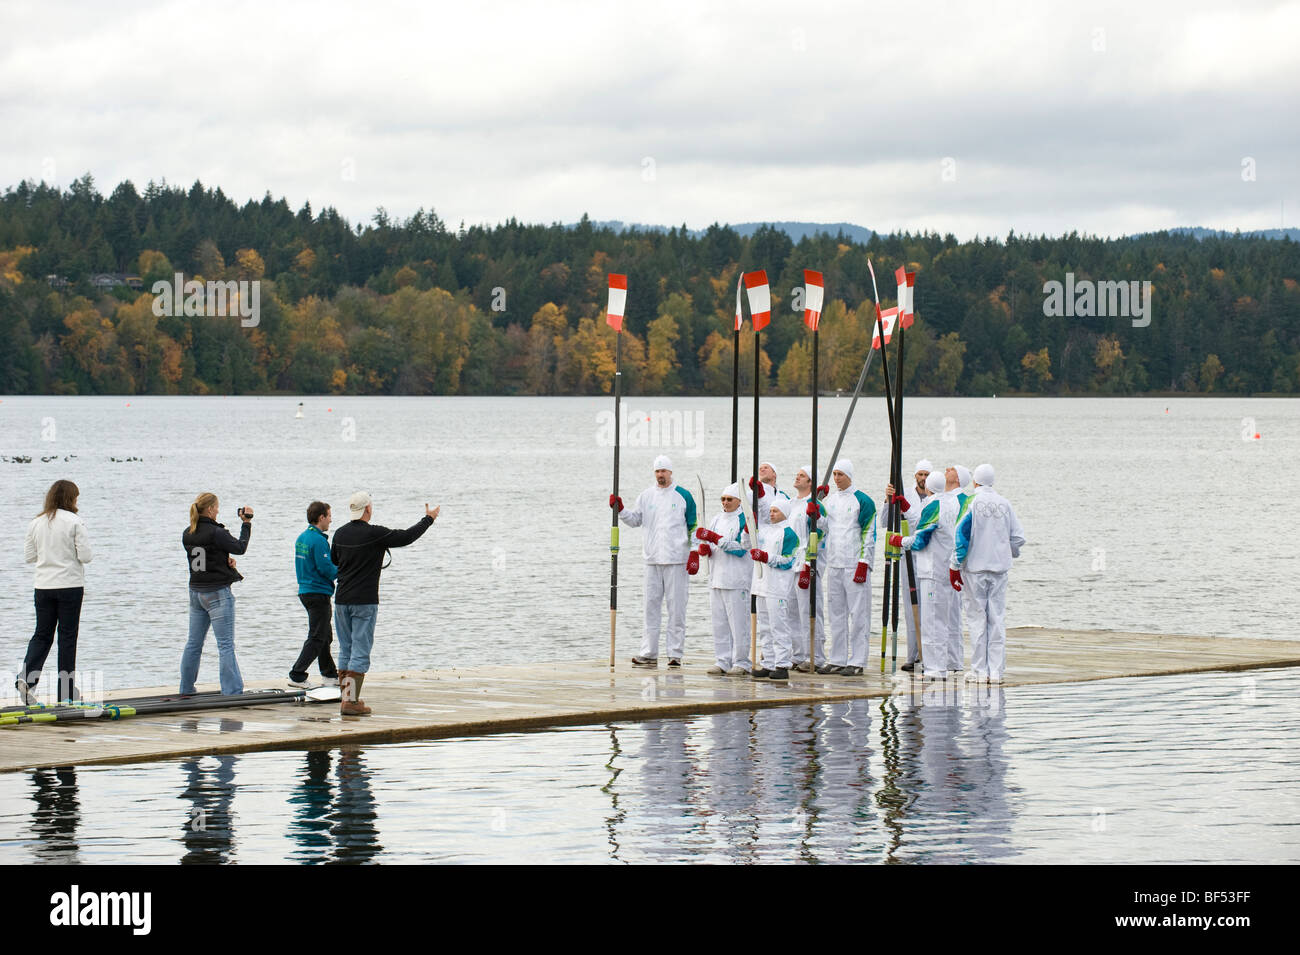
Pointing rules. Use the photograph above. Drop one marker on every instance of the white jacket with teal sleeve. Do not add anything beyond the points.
(802, 525)
(850, 529)
(932, 541)
(667, 516)
(729, 565)
(784, 556)
(988, 534)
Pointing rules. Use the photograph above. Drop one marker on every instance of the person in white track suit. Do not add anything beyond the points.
(963, 478)
(725, 542)
(910, 503)
(767, 492)
(931, 546)
(778, 550)
(988, 538)
(801, 519)
(850, 553)
(666, 514)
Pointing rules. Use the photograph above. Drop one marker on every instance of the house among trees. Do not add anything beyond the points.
(109, 280)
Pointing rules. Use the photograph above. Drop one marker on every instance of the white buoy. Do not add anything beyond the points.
(299, 414)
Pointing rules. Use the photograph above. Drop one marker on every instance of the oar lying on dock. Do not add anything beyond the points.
(117, 709)
(129, 701)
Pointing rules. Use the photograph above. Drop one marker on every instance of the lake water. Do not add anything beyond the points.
(1193, 768)
(1140, 514)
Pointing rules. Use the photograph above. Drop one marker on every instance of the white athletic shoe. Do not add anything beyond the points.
(716, 671)
(737, 671)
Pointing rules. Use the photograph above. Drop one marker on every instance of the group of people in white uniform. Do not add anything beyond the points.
(961, 542)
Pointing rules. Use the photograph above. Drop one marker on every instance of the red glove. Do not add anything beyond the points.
(616, 502)
(895, 540)
(812, 509)
(822, 491)
(954, 578)
(693, 564)
(704, 534)
(705, 550)
(860, 575)
(761, 489)
(901, 502)
(804, 576)
(759, 555)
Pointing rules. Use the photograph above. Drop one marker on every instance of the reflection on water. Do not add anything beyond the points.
(56, 816)
(208, 830)
(1170, 769)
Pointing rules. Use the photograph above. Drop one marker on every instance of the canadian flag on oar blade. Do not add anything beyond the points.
(887, 318)
(760, 298)
(813, 291)
(617, 300)
(906, 280)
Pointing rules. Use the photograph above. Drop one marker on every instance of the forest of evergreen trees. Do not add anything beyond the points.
(413, 307)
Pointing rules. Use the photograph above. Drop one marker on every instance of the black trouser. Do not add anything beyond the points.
(319, 636)
(62, 609)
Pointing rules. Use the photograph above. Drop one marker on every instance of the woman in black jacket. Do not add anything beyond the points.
(208, 546)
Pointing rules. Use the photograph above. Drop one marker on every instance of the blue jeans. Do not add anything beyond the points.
(355, 626)
(215, 607)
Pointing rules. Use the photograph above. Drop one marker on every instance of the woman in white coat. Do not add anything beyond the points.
(58, 545)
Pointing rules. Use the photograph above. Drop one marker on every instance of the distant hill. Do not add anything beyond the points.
(795, 230)
(857, 233)
(1196, 232)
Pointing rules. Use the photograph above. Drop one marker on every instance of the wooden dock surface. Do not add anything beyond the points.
(469, 701)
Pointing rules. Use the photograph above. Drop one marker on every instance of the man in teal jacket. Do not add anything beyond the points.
(316, 574)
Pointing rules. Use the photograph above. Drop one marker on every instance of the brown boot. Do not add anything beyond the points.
(351, 703)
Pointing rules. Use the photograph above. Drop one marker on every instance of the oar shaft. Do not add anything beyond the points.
(613, 530)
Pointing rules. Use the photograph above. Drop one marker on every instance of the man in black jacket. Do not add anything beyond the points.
(358, 551)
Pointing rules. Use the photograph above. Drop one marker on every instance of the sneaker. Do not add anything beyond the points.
(304, 684)
(329, 680)
(761, 674)
(674, 662)
(25, 692)
(780, 673)
(804, 667)
(716, 671)
(908, 667)
(645, 661)
(737, 671)
(851, 671)
(829, 668)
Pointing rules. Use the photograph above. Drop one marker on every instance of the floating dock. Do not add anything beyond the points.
(434, 704)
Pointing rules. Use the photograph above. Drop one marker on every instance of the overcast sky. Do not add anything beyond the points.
(971, 118)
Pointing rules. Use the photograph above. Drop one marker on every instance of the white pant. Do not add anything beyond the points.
(935, 643)
(665, 582)
(956, 649)
(848, 608)
(774, 631)
(905, 609)
(987, 610)
(800, 623)
(730, 628)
